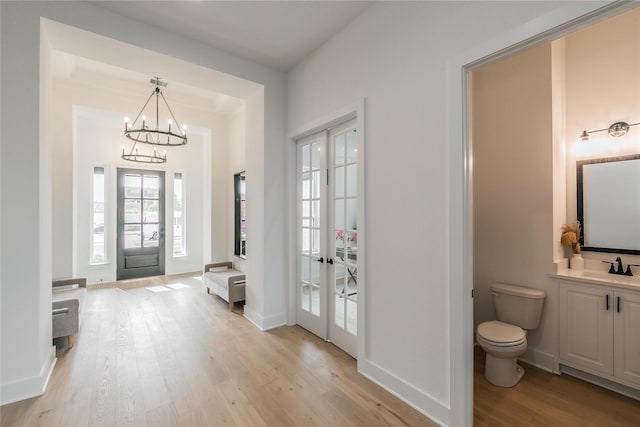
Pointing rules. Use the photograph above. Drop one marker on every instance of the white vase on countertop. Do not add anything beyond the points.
(577, 262)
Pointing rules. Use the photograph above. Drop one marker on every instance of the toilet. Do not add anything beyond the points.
(518, 310)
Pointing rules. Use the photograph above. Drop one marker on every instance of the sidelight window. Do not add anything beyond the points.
(97, 235)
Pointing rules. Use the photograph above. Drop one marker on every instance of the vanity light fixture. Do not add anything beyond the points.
(617, 130)
(154, 135)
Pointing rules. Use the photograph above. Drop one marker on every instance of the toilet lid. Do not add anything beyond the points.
(501, 334)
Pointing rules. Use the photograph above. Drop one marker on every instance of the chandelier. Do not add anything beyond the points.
(139, 130)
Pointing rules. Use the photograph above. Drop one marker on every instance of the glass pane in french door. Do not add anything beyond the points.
(309, 226)
(345, 230)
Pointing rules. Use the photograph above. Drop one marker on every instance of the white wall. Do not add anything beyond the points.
(26, 269)
(513, 187)
(26, 355)
(602, 87)
(406, 59)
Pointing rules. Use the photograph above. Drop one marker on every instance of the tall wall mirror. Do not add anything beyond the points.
(240, 196)
(608, 203)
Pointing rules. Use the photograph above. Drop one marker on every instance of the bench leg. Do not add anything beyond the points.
(70, 338)
(208, 291)
(230, 305)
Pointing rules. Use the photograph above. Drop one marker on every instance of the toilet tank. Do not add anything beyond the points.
(518, 305)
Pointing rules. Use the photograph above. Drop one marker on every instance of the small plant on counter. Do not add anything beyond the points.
(571, 236)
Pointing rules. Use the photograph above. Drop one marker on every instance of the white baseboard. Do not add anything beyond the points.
(29, 387)
(418, 399)
(540, 359)
(602, 382)
(265, 323)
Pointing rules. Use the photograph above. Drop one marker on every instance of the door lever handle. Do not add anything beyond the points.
(329, 261)
(320, 260)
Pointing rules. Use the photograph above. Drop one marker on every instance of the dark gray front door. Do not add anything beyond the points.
(140, 223)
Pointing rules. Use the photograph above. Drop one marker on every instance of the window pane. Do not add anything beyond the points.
(150, 235)
(352, 180)
(339, 214)
(98, 253)
(315, 192)
(132, 184)
(151, 187)
(306, 194)
(315, 213)
(352, 316)
(352, 208)
(315, 155)
(352, 146)
(306, 163)
(132, 236)
(179, 244)
(305, 296)
(339, 149)
(304, 268)
(151, 210)
(315, 300)
(339, 182)
(132, 211)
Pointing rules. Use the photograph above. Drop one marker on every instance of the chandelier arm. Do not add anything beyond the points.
(143, 107)
(169, 108)
(133, 147)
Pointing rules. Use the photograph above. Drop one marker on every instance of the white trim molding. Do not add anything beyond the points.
(29, 387)
(403, 390)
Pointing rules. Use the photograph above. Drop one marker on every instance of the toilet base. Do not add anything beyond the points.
(503, 372)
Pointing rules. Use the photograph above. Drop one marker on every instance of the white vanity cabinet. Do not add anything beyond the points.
(599, 330)
(626, 334)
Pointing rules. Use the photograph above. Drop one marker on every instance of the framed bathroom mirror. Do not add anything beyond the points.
(608, 204)
(240, 198)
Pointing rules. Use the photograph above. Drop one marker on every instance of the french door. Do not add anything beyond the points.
(140, 223)
(327, 200)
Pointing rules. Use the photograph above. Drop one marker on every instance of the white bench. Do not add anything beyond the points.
(223, 280)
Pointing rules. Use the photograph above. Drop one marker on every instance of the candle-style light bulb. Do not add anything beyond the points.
(144, 119)
(169, 121)
(184, 129)
(123, 150)
(126, 123)
(164, 154)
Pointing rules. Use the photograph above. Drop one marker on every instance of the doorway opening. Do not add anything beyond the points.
(523, 181)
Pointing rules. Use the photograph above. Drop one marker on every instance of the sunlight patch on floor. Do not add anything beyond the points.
(157, 288)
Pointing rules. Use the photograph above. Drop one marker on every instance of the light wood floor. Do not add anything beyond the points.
(180, 358)
(545, 399)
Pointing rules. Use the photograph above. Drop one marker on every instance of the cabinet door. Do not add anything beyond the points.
(586, 327)
(627, 337)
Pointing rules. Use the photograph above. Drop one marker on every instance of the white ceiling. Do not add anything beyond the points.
(278, 34)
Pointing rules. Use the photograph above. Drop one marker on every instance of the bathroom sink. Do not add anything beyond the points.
(613, 278)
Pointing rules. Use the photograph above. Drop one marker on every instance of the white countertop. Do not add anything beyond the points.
(599, 278)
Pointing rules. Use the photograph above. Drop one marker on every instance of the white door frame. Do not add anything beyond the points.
(348, 112)
(567, 18)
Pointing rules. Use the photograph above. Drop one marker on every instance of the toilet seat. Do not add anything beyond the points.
(501, 334)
